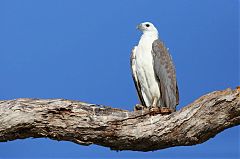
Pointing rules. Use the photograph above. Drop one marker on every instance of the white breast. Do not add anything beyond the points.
(145, 71)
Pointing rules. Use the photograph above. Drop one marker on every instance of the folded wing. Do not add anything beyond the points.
(166, 75)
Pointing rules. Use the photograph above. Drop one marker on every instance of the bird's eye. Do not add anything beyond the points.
(147, 25)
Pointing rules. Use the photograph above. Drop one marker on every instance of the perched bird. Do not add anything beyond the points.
(153, 72)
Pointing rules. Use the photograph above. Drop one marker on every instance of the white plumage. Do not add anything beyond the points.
(144, 65)
(153, 71)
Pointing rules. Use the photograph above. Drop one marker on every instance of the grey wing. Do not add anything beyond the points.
(166, 75)
(134, 75)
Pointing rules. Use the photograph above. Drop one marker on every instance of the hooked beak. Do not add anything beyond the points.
(139, 27)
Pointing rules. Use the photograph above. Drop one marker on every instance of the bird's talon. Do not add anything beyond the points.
(154, 110)
(165, 111)
(139, 107)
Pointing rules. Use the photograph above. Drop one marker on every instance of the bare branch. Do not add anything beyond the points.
(87, 124)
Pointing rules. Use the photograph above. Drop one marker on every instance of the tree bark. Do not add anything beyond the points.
(86, 124)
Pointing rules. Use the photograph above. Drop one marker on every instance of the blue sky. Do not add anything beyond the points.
(79, 49)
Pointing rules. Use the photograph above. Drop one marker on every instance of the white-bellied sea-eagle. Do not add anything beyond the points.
(153, 72)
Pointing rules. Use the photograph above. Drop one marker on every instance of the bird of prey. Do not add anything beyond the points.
(153, 72)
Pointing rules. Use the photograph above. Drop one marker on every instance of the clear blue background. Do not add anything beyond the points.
(79, 49)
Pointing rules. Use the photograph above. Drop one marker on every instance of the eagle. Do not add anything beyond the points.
(153, 72)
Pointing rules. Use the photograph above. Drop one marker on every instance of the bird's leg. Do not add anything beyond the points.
(154, 109)
(154, 104)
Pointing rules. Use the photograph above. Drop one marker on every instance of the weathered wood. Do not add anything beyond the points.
(87, 124)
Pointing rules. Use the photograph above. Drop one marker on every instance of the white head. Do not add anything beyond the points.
(147, 28)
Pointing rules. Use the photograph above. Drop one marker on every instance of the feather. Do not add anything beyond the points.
(165, 74)
(134, 75)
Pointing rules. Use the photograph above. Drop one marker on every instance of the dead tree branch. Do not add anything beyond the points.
(87, 124)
